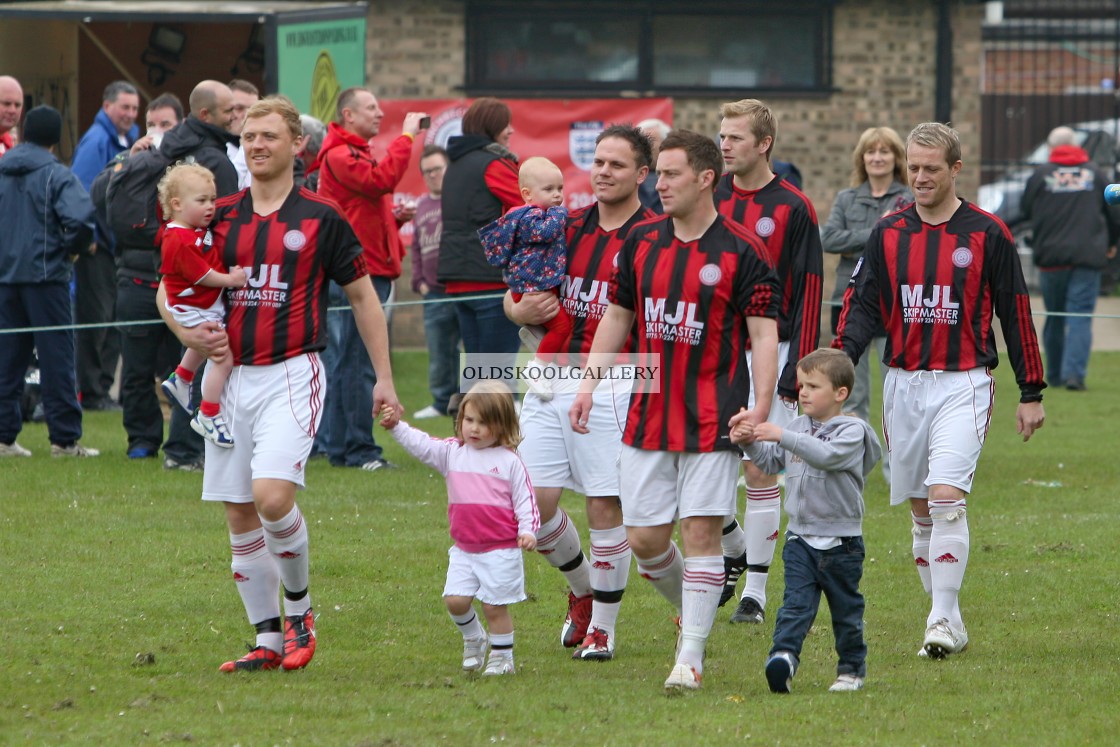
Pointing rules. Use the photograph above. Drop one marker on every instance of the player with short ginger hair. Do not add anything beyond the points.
(275, 331)
(677, 458)
(933, 275)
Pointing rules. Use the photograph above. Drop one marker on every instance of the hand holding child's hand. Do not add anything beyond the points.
(238, 277)
(527, 542)
(389, 417)
(742, 433)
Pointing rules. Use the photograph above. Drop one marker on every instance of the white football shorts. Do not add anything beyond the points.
(935, 423)
(558, 457)
(496, 577)
(657, 487)
(272, 413)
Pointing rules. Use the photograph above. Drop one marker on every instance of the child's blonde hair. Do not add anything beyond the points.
(493, 405)
(531, 169)
(834, 364)
(171, 184)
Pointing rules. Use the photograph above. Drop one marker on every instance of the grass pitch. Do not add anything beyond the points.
(120, 609)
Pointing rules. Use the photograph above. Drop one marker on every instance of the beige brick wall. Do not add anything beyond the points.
(884, 62)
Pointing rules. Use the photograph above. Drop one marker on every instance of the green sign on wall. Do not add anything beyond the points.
(318, 60)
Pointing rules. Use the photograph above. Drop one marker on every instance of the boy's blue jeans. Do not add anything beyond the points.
(837, 573)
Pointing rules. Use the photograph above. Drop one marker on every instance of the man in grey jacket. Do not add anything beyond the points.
(48, 221)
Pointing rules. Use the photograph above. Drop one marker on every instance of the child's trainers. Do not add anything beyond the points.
(499, 664)
(538, 385)
(846, 683)
(474, 653)
(178, 391)
(780, 669)
(213, 429)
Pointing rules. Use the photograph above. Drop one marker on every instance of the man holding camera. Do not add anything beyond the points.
(363, 187)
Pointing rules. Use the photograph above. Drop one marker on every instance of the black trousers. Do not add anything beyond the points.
(99, 349)
(150, 352)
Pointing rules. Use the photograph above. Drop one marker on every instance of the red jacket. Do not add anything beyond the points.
(363, 188)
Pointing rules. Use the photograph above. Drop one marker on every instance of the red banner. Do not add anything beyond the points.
(563, 131)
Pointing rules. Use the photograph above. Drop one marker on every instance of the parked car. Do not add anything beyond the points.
(1002, 197)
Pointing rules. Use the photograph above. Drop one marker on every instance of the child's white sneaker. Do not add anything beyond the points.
(499, 664)
(538, 385)
(178, 391)
(474, 653)
(846, 683)
(213, 429)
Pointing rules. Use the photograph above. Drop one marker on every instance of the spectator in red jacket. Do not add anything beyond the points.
(363, 186)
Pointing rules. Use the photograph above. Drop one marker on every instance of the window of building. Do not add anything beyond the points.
(647, 46)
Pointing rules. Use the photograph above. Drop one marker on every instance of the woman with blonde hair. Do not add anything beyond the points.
(878, 188)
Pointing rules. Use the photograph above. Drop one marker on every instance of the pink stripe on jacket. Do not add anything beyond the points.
(490, 498)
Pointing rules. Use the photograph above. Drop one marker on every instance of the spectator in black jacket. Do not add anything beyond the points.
(1073, 230)
(150, 351)
(48, 220)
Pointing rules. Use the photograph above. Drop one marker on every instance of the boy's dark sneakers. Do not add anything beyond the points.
(780, 669)
(258, 659)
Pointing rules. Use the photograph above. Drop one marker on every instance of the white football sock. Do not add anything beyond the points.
(762, 521)
(287, 541)
(733, 543)
(702, 584)
(469, 624)
(666, 572)
(922, 529)
(257, 578)
(948, 548)
(610, 569)
(558, 542)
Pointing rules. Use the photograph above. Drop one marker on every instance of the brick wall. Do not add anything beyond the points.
(884, 61)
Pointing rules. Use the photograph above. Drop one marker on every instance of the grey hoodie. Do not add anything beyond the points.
(826, 465)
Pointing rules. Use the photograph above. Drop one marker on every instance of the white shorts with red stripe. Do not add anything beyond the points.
(558, 457)
(935, 423)
(657, 487)
(272, 413)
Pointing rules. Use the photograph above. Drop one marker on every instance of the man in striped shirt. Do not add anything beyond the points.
(751, 194)
(933, 275)
(557, 458)
(292, 243)
(698, 286)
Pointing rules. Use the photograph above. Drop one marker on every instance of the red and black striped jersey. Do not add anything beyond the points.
(934, 288)
(786, 222)
(289, 256)
(592, 253)
(691, 302)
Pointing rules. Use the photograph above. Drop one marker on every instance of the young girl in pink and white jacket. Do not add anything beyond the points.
(493, 516)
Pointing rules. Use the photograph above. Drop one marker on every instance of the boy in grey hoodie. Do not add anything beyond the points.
(827, 457)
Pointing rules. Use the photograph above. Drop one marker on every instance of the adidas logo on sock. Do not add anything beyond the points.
(239, 578)
(288, 555)
(773, 537)
(602, 565)
(946, 558)
(921, 562)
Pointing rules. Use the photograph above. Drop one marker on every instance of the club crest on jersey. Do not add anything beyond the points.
(765, 227)
(581, 143)
(962, 256)
(294, 240)
(710, 274)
